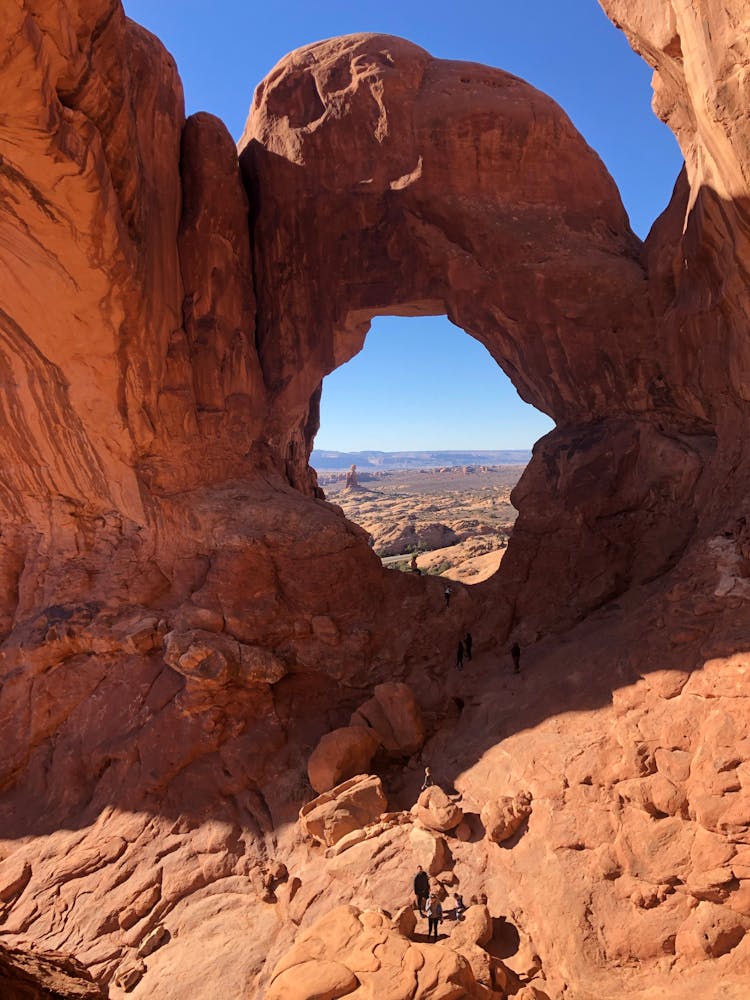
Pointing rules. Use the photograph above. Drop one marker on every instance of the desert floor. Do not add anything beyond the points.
(456, 520)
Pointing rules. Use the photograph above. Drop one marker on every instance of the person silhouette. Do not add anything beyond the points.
(421, 888)
(515, 652)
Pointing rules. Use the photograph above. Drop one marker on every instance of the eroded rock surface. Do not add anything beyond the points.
(184, 617)
(371, 955)
(43, 975)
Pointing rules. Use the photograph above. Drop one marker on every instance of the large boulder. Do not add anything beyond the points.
(504, 816)
(347, 807)
(430, 849)
(474, 928)
(395, 716)
(341, 754)
(436, 811)
(710, 931)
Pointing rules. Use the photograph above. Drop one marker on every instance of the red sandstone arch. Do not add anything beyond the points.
(146, 469)
(385, 181)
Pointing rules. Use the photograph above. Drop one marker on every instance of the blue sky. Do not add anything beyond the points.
(441, 388)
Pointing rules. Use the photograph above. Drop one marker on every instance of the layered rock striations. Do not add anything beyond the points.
(185, 619)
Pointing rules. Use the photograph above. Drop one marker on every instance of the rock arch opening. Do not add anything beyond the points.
(422, 438)
(425, 187)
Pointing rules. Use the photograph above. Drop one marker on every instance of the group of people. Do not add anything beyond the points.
(464, 649)
(429, 904)
(464, 645)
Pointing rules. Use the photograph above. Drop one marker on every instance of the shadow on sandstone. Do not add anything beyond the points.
(131, 736)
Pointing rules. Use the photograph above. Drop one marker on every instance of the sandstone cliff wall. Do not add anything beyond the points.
(182, 613)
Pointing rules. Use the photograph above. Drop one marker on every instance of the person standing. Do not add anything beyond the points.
(515, 652)
(468, 642)
(434, 916)
(428, 782)
(421, 889)
(460, 656)
(447, 594)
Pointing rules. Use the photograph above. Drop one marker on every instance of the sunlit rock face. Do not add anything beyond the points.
(185, 619)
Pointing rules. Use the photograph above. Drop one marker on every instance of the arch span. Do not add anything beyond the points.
(386, 181)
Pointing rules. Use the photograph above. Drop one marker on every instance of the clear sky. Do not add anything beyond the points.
(441, 388)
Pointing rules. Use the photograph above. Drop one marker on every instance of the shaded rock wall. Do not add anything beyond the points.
(698, 252)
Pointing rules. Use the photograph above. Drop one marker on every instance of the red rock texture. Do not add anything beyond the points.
(405, 968)
(184, 617)
(44, 976)
(345, 808)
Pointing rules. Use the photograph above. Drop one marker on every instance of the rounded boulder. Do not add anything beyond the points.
(341, 754)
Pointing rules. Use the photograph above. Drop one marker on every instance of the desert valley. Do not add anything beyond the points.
(455, 520)
(230, 736)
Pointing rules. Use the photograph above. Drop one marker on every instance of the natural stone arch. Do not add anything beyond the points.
(386, 181)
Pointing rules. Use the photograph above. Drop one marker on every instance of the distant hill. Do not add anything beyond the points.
(414, 459)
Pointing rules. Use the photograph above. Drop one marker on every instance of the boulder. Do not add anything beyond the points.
(345, 808)
(503, 817)
(341, 754)
(431, 850)
(393, 713)
(709, 932)
(313, 980)
(463, 831)
(436, 811)
(474, 928)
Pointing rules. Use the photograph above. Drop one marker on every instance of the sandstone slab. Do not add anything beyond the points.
(345, 808)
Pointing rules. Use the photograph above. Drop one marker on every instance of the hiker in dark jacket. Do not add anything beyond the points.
(468, 643)
(515, 652)
(421, 888)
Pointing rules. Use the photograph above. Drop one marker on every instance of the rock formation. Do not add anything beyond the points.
(345, 808)
(44, 975)
(352, 480)
(435, 810)
(184, 618)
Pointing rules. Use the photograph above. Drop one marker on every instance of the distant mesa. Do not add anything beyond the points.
(321, 459)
